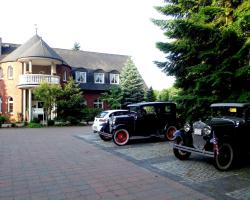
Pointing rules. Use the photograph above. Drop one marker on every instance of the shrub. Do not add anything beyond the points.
(73, 120)
(51, 122)
(34, 125)
(3, 119)
(35, 120)
(90, 113)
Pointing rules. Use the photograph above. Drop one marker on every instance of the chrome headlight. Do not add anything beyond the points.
(187, 127)
(207, 130)
(112, 120)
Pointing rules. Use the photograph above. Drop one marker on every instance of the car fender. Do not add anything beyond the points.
(179, 133)
(119, 126)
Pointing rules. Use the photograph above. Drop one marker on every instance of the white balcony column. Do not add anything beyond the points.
(30, 67)
(24, 68)
(24, 105)
(30, 110)
(53, 68)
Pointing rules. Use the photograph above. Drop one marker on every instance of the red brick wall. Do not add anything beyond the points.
(91, 97)
(60, 72)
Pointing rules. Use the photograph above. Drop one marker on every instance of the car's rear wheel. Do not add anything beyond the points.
(121, 137)
(169, 134)
(105, 138)
(224, 159)
(180, 154)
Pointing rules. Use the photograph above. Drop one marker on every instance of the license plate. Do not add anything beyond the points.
(197, 131)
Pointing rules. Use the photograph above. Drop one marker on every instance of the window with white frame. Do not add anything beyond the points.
(1, 73)
(1, 104)
(10, 105)
(98, 103)
(114, 78)
(10, 72)
(65, 75)
(99, 77)
(80, 77)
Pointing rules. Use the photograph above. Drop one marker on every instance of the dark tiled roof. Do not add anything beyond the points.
(34, 47)
(93, 60)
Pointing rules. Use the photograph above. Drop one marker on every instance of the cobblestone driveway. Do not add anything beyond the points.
(73, 163)
(197, 172)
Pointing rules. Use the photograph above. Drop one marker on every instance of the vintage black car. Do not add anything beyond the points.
(224, 137)
(144, 119)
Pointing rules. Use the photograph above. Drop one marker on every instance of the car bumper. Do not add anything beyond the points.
(107, 135)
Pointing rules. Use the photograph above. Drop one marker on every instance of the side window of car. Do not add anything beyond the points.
(247, 114)
(149, 110)
(167, 109)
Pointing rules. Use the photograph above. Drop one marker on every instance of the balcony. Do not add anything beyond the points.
(32, 80)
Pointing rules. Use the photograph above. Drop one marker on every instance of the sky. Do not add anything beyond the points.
(111, 26)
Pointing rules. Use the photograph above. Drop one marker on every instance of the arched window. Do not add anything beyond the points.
(1, 104)
(10, 72)
(98, 103)
(1, 73)
(10, 105)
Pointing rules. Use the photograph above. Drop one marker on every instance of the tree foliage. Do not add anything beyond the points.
(47, 93)
(150, 95)
(76, 46)
(113, 97)
(208, 52)
(131, 83)
(70, 103)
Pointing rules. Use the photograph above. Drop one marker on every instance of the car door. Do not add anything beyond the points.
(146, 121)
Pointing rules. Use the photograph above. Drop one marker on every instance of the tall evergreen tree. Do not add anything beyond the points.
(150, 96)
(208, 52)
(113, 97)
(132, 83)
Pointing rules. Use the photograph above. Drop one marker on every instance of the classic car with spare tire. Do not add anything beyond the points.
(223, 137)
(144, 119)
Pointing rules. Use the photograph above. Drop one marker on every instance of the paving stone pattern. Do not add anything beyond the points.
(197, 173)
(57, 164)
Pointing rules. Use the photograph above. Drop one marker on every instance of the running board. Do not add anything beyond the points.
(193, 150)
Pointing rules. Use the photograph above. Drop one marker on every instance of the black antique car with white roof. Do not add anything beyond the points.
(224, 136)
(144, 119)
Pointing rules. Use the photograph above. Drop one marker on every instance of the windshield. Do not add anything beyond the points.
(227, 111)
(102, 114)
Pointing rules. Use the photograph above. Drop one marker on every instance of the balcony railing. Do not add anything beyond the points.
(36, 79)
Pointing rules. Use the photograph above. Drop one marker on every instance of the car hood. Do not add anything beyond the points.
(225, 121)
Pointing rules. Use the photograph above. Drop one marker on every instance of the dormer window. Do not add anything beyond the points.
(1, 73)
(10, 72)
(80, 77)
(99, 78)
(114, 78)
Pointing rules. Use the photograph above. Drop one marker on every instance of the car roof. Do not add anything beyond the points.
(151, 103)
(229, 105)
(110, 111)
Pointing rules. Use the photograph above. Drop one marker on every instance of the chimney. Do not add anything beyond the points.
(0, 46)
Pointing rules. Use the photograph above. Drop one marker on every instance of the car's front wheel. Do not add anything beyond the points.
(105, 138)
(180, 154)
(169, 134)
(121, 137)
(225, 157)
